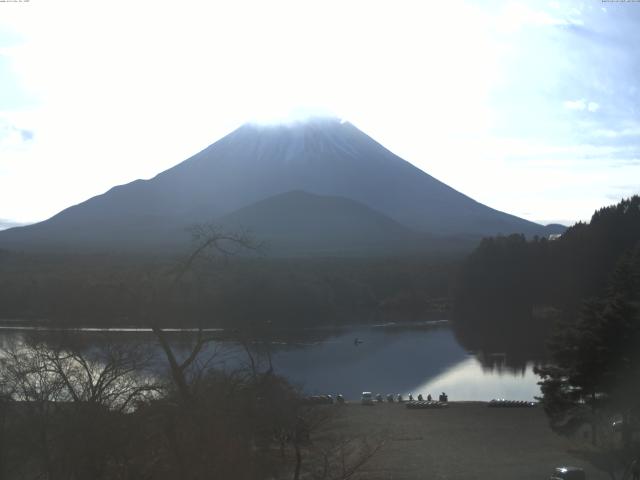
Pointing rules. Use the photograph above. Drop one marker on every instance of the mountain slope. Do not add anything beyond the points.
(303, 223)
(321, 156)
(4, 224)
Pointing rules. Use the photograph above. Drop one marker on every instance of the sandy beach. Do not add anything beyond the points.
(467, 441)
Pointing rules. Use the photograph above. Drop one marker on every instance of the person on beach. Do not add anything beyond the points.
(429, 398)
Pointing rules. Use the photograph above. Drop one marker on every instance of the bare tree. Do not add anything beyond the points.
(32, 394)
(192, 430)
(69, 408)
(210, 243)
(114, 376)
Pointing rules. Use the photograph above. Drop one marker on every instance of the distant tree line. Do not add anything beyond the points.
(227, 292)
(511, 291)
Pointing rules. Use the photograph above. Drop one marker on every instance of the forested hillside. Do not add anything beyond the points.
(510, 291)
(230, 292)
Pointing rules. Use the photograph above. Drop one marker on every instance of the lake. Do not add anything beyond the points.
(392, 358)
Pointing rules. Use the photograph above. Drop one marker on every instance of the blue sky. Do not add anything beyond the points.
(531, 107)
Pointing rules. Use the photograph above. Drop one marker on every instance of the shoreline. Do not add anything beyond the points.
(20, 325)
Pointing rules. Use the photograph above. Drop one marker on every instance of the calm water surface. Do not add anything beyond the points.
(418, 358)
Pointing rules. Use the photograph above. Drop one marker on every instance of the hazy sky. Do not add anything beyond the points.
(528, 107)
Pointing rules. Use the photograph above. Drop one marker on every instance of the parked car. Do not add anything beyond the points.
(568, 473)
(367, 398)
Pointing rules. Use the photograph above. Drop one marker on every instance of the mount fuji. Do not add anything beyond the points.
(316, 187)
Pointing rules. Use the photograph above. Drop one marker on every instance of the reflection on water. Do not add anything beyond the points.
(425, 359)
(418, 358)
(468, 380)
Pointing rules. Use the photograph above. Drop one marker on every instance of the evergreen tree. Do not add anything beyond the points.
(504, 284)
(595, 365)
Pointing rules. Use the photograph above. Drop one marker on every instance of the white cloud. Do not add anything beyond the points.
(517, 15)
(581, 105)
(630, 129)
(575, 104)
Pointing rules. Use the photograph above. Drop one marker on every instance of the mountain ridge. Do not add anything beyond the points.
(324, 157)
(305, 223)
